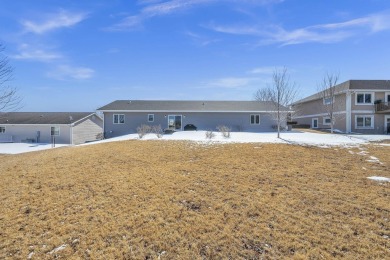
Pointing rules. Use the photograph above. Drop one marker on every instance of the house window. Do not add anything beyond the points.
(55, 131)
(364, 98)
(364, 122)
(151, 118)
(2, 129)
(119, 118)
(388, 98)
(255, 119)
(326, 121)
(328, 100)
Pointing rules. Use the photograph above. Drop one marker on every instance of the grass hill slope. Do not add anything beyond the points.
(172, 199)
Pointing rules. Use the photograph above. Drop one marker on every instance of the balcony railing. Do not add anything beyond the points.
(382, 107)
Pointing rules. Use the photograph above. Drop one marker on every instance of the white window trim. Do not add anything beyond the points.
(59, 130)
(254, 123)
(323, 101)
(365, 127)
(119, 123)
(385, 124)
(324, 120)
(150, 121)
(5, 129)
(312, 122)
(365, 104)
(386, 95)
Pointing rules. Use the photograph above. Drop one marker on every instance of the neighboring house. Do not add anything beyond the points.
(363, 107)
(124, 116)
(43, 127)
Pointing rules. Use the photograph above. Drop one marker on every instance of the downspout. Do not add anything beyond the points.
(348, 105)
(104, 126)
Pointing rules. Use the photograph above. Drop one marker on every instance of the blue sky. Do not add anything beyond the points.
(80, 55)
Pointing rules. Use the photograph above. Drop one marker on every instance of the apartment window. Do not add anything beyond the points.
(119, 119)
(388, 98)
(328, 100)
(327, 121)
(364, 98)
(55, 131)
(2, 129)
(255, 119)
(151, 118)
(364, 122)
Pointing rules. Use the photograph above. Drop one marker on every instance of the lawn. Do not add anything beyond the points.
(183, 200)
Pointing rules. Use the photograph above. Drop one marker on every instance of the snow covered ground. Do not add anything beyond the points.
(293, 137)
(15, 148)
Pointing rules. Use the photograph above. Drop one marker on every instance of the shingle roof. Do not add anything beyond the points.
(353, 85)
(187, 106)
(42, 117)
(339, 88)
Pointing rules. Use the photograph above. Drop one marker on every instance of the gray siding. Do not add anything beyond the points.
(339, 122)
(23, 132)
(379, 124)
(203, 121)
(87, 130)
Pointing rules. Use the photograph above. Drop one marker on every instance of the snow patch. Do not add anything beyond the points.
(378, 178)
(55, 250)
(373, 159)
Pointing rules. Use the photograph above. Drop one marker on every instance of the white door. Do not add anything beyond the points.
(314, 123)
(387, 124)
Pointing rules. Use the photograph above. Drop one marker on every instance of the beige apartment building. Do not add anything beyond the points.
(361, 106)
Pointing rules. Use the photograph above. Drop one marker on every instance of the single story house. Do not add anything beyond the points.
(44, 127)
(361, 106)
(122, 117)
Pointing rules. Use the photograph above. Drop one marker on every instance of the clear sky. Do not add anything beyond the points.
(80, 55)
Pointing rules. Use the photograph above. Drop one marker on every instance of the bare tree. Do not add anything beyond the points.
(280, 93)
(328, 92)
(9, 100)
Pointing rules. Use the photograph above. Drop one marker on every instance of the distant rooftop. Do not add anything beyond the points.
(352, 85)
(37, 118)
(187, 106)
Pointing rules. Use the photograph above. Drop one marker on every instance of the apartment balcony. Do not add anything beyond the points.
(382, 107)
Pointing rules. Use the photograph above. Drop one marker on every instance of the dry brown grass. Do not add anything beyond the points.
(145, 199)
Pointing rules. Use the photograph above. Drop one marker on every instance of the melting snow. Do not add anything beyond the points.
(55, 250)
(378, 178)
(290, 137)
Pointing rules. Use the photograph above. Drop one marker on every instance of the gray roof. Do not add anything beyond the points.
(36, 118)
(188, 106)
(352, 84)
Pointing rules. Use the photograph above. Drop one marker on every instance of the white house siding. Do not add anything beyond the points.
(87, 130)
(202, 120)
(20, 133)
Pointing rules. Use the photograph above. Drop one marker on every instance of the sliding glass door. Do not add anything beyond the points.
(175, 122)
